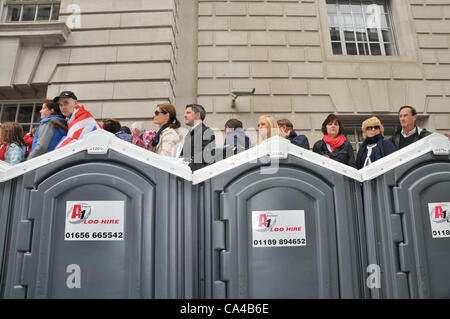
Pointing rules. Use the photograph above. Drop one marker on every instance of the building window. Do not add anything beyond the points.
(361, 27)
(26, 114)
(32, 10)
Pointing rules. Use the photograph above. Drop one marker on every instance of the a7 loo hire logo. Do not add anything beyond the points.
(78, 213)
(265, 222)
(439, 219)
(440, 214)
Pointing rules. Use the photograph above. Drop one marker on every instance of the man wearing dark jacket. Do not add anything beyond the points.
(200, 141)
(113, 126)
(409, 131)
(287, 131)
(235, 140)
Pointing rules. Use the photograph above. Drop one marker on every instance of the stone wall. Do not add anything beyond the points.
(282, 48)
(120, 62)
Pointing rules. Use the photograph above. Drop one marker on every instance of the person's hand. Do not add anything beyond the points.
(448, 135)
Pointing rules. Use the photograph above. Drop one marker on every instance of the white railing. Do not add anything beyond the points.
(275, 148)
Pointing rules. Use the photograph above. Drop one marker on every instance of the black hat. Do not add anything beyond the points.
(65, 94)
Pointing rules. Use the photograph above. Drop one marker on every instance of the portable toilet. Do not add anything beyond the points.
(280, 221)
(98, 218)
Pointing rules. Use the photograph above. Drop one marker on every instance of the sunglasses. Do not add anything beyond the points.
(369, 128)
(158, 112)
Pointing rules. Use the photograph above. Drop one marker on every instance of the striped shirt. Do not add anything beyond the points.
(15, 154)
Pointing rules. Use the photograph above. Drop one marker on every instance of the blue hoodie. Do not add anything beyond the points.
(58, 134)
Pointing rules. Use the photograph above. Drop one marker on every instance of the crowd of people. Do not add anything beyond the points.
(64, 121)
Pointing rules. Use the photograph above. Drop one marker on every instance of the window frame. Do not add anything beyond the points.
(37, 104)
(407, 42)
(37, 3)
(381, 41)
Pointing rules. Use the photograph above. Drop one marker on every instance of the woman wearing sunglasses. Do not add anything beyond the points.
(166, 139)
(374, 146)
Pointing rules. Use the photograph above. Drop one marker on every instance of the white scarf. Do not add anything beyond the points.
(368, 161)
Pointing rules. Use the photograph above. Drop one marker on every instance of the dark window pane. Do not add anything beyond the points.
(349, 35)
(337, 49)
(26, 128)
(334, 34)
(375, 49)
(13, 13)
(9, 113)
(55, 12)
(363, 48)
(28, 13)
(351, 49)
(25, 112)
(361, 35)
(389, 48)
(37, 114)
(44, 13)
(387, 35)
(373, 34)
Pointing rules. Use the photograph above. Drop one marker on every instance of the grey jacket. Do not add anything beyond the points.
(46, 132)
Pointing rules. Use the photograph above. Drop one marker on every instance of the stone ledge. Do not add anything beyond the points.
(45, 33)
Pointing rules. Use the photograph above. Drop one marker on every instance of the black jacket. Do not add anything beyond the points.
(343, 154)
(198, 147)
(420, 133)
(235, 142)
(299, 140)
(383, 148)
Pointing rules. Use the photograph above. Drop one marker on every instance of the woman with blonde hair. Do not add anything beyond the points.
(267, 128)
(166, 139)
(374, 146)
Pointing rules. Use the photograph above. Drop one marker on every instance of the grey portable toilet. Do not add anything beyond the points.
(5, 196)
(407, 215)
(99, 218)
(279, 221)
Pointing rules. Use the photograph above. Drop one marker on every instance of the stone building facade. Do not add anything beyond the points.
(122, 58)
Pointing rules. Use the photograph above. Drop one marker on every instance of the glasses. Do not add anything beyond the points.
(158, 112)
(369, 128)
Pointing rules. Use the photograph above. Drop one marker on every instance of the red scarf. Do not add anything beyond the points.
(3, 148)
(28, 138)
(334, 142)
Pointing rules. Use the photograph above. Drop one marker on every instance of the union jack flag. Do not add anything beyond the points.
(80, 123)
